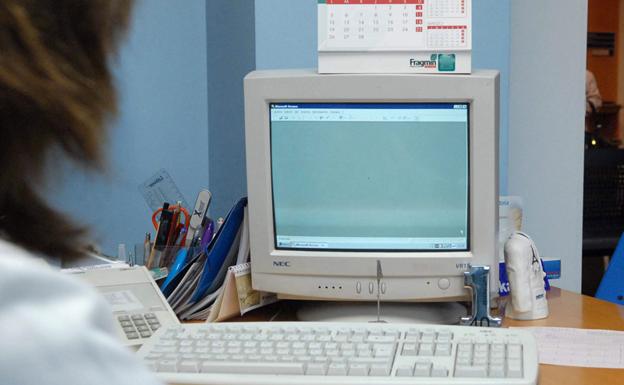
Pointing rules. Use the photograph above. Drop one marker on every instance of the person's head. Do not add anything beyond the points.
(56, 94)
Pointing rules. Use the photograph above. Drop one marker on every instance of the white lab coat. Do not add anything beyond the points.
(56, 330)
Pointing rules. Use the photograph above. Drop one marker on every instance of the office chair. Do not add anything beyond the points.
(612, 285)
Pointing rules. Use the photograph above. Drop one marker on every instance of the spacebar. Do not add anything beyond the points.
(252, 367)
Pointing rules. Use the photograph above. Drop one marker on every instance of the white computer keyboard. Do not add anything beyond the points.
(338, 353)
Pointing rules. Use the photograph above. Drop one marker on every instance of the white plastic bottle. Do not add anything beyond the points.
(526, 279)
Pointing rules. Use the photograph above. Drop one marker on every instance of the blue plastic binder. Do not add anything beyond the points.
(219, 248)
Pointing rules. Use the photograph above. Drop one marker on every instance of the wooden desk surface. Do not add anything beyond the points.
(567, 309)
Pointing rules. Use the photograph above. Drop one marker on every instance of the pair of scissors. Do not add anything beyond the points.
(177, 208)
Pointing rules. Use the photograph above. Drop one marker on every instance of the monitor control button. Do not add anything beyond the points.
(371, 287)
(358, 287)
(444, 283)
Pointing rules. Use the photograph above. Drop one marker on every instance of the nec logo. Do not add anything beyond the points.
(281, 263)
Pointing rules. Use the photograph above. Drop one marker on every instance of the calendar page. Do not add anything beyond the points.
(395, 26)
(389, 25)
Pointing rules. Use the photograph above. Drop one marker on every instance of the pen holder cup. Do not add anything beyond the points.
(163, 257)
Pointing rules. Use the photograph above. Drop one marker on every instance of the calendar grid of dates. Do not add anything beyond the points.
(397, 24)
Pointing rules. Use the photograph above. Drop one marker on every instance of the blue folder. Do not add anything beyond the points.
(219, 248)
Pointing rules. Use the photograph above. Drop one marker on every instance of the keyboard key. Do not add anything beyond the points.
(188, 366)
(422, 369)
(252, 368)
(439, 371)
(316, 369)
(413, 336)
(443, 350)
(497, 348)
(132, 335)
(358, 370)
(514, 351)
(470, 371)
(392, 333)
(336, 369)
(167, 366)
(427, 337)
(405, 371)
(377, 339)
(410, 349)
(425, 350)
(514, 368)
(497, 371)
(383, 350)
(379, 370)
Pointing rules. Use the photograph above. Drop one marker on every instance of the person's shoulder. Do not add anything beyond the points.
(29, 277)
(32, 285)
(58, 328)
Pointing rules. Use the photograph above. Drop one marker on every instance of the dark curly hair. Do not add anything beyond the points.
(56, 92)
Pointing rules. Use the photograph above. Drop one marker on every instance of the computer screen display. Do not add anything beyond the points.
(370, 176)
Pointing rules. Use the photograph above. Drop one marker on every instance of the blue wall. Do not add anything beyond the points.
(180, 83)
(163, 123)
(491, 38)
(231, 55)
(286, 38)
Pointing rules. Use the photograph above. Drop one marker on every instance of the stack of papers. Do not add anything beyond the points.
(195, 289)
(589, 348)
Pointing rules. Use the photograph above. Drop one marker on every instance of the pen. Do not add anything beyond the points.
(175, 221)
(207, 235)
(161, 236)
(147, 246)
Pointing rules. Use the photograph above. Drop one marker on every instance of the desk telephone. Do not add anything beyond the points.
(139, 308)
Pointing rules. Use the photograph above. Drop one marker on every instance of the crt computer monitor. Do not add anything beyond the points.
(347, 170)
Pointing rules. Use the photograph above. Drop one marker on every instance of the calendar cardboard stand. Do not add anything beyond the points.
(395, 36)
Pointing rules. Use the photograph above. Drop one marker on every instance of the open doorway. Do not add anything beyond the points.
(605, 62)
(603, 211)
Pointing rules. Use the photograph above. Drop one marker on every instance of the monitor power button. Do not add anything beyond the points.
(444, 283)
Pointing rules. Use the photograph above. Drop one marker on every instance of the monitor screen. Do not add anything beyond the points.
(370, 176)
